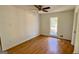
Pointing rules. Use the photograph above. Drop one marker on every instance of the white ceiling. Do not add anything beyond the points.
(53, 8)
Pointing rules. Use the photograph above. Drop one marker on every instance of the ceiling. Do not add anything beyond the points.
(53, 8)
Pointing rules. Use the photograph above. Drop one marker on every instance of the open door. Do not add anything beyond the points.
(74, 29)
(53, 26)
(2, 52)
(76, 44)
(0, 47)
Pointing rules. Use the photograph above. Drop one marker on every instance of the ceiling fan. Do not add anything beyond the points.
(41, 8)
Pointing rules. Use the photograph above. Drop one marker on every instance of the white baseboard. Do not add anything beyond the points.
(20, 42)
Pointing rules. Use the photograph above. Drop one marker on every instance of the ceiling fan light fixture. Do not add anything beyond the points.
(40, 11)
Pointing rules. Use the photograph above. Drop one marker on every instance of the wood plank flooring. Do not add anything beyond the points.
(43, 45)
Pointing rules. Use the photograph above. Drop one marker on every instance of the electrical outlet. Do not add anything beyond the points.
(61, 35)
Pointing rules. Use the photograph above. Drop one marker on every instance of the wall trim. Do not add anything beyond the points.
(22, 42)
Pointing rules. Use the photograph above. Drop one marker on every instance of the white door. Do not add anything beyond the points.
(76, 46)
(74, 29)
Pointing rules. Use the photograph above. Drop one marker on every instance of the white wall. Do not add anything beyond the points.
(17, 25)
(65, 23)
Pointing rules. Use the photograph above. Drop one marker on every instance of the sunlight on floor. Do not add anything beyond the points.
(53, 45)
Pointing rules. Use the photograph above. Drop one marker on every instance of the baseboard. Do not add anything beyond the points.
(55, 37)
(21, 42)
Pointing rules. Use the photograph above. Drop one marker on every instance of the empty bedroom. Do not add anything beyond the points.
(39, 29)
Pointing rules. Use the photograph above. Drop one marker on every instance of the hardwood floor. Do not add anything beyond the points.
(43, 45)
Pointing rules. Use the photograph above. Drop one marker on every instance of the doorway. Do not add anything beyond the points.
(53, 26)
(2, 52)
(0, 46)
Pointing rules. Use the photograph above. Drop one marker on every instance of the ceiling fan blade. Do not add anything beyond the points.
(38, 6)
(46, 8)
